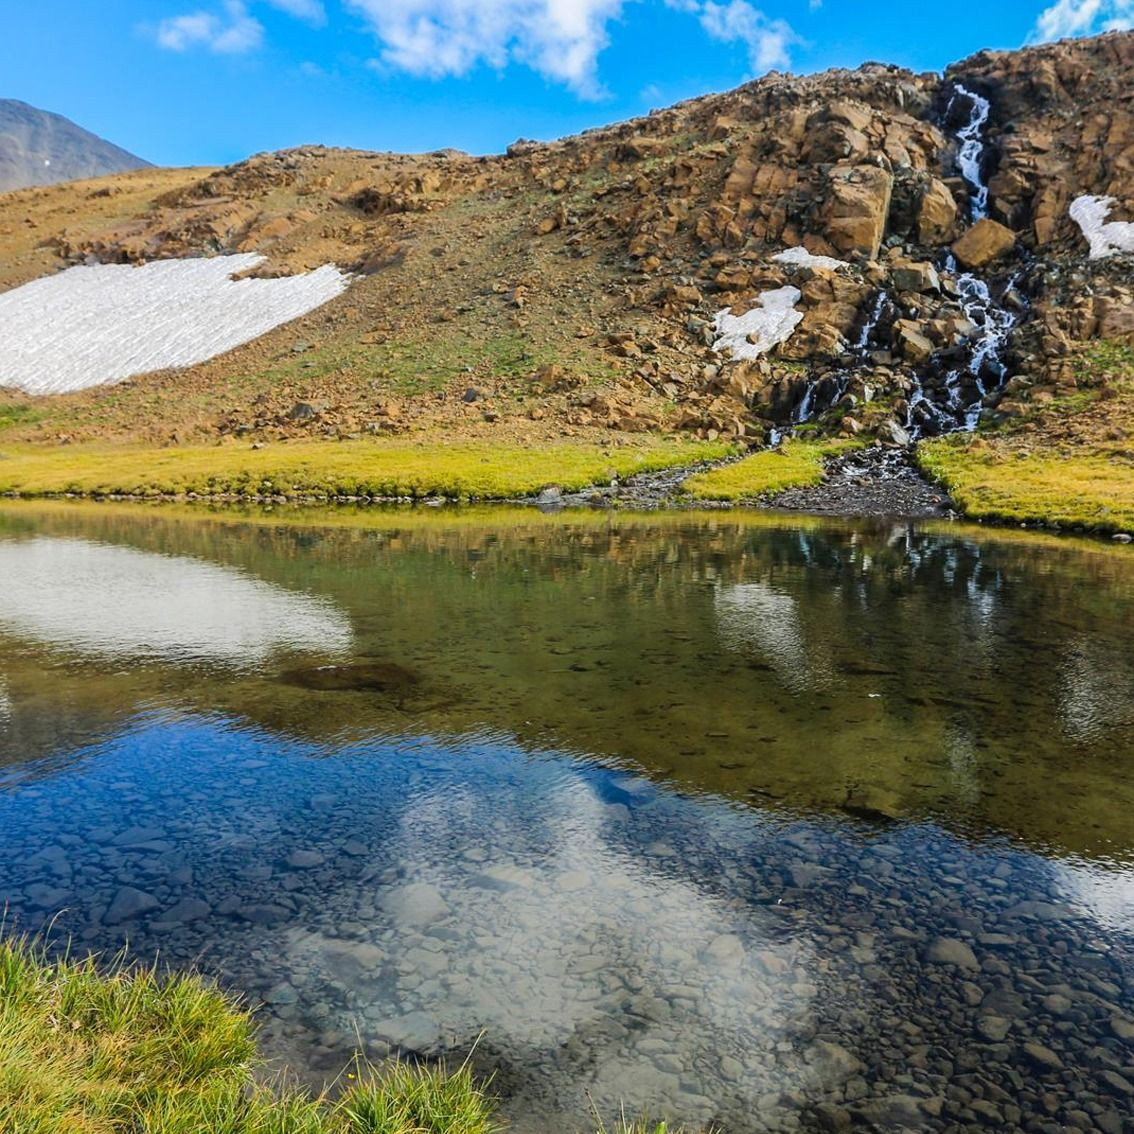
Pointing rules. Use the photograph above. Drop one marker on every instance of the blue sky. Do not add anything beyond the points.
(209, 81)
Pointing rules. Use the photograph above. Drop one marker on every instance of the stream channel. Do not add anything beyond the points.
(767, 822)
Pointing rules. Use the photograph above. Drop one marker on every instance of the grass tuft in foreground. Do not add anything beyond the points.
(84, 1051)
(89, 1050)
(795, 464)
(341, 469)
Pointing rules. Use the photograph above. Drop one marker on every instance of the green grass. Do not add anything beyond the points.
(90, 1049)
(334, 469)
(1091, 490)
(16, 413)
(411, 367)
(86, 1051)
(796, 464)
(1106, 360)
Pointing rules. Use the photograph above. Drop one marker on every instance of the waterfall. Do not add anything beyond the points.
(970, 159)
(822, 393)
(993, 321)
(803, 411)
(871, 325)
(943, 400)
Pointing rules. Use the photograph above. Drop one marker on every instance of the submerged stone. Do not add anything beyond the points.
(129, 904)
(950, 951)
(377, 677)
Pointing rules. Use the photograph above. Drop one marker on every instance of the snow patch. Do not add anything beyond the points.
(1106, 238)
(800, 258)
(756, 332)
(92, 326)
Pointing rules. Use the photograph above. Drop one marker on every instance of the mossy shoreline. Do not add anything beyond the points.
(352, 471)
(1087, 493)
(88, 1048)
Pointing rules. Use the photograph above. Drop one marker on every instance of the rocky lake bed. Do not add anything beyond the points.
(764, 822)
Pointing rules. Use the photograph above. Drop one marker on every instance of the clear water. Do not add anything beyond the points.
(742, 820)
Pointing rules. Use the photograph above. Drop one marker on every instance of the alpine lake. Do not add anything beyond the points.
(748, 821)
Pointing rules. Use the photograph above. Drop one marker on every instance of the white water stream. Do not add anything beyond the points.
(970, 159)
(948, 406)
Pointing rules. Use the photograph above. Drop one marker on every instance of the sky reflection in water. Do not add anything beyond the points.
(795, 868)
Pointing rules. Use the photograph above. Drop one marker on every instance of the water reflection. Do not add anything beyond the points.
(756, 619)
(116, 602)
(781, 828)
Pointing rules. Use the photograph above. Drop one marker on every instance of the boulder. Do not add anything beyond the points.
(916, 348)
(129, 904)
(416, 905)
(950, 951)
(1116, 318)
(858, 204)
(910, 275)
(985, 242)
(937, 213)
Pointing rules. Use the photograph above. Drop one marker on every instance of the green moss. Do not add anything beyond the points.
(1091, 489)
(361, 468)
(795, 464)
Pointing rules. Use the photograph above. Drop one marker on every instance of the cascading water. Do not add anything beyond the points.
(862, 344)
(823, 393)
(993, 321)
(970, 158)
(947, 396)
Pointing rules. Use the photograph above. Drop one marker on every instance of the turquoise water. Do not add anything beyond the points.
(734, 820)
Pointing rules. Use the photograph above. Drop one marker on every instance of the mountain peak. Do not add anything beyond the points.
(38, 147)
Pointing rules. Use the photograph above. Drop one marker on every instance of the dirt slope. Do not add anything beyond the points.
(569, 289)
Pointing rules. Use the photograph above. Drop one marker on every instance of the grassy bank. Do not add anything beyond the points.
(1092, 491)
(86, 1052)
(340, 469)
(1059, 457)
(795, 464)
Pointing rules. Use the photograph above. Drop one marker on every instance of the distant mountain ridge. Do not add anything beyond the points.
(38, 147)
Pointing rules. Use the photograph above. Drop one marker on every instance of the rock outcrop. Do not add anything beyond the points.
(614, 258)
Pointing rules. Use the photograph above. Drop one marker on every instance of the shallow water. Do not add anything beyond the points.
(734, 819)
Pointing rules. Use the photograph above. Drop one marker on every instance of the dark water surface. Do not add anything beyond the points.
(755, 821)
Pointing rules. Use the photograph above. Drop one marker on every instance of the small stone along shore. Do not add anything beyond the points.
(878, 481)
(870, 482)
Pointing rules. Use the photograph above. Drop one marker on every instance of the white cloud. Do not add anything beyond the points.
(560, 39)
(1083, 17)
(769, 41)
(310, 10)
(233, 33)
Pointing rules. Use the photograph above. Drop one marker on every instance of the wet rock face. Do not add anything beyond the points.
(1062, 125)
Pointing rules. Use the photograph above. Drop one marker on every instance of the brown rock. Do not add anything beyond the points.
(937, 214)
(986, 241)
(916, 348)
(1116, 319)
(857, 207)
(910, 275)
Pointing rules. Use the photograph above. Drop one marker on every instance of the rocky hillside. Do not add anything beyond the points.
(936, 275)
(41, 148)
